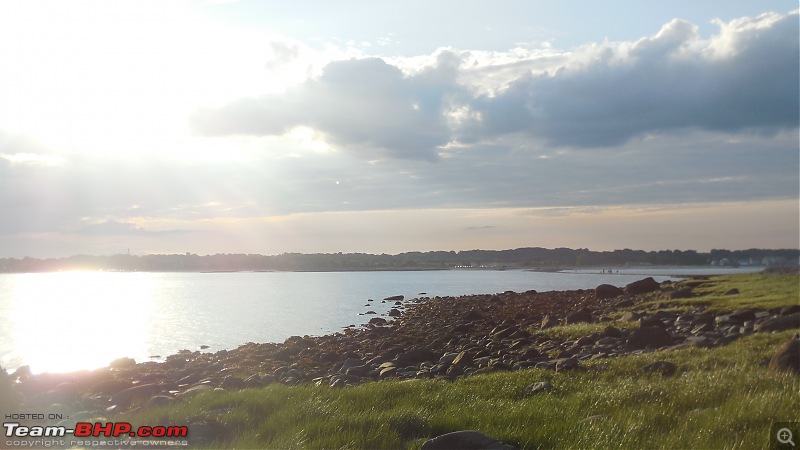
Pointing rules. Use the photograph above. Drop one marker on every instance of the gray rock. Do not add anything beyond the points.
(626, 303)
(465, 440)
(780, 323)
(652, 337)
(548, 322)
(642, 286)
(415, 356)
(684, 292)
(232, 383)
(448, 358)
(788, 310)
(607, 291)
(566, 364)
(787, 357)
(583, 315)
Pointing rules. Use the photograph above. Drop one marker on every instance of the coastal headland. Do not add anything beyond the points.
(442, 340)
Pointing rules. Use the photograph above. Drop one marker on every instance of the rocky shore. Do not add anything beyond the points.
(440, 337)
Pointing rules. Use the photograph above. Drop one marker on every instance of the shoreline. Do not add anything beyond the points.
(433, 337)
(713, 270)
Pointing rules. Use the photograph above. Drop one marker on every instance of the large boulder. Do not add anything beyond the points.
(415, 356)
(652, 337)
(787, 357)
(684, 292)
(607, 291)
(465, 440)
(642, 286)
(780, 323)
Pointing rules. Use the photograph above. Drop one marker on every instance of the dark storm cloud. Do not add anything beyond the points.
(745, 78)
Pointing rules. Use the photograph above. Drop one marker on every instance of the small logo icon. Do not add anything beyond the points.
(783, 435)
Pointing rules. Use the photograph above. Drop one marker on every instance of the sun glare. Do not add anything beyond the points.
(79, 320)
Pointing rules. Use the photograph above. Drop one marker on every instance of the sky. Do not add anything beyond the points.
(383, 127)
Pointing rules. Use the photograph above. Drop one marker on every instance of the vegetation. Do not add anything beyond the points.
(521, 257)
(723, 397)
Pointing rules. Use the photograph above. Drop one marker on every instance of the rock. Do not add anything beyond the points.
(652, 337)
(415, 356)
(394, 313)
(787, 357)
(630, 316)
(203, 347)
(566, 364)
(394, 298)
(448, 358)
(122, 363)
(465, 440)
(583, 315)
(194, 390)
(128, 396)
(232, 383)
(607, 291)
(254, 381)
(743, 315)
(789, 310)
(548, 322)
(642, 286)
(537, 388)
(377, 321)
(611, 332)
(463, 359)
(160, 400)
(665, 368)
(471, 315)
(684, 292)
(627, 303)
(779, 323)
(733, 291)
(650, 322)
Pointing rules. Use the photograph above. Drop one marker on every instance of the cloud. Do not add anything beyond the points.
(743, 79)
(363, 104)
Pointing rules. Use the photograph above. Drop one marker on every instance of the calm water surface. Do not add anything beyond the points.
(82, 320)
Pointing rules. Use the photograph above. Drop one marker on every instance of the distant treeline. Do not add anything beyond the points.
(534, 258)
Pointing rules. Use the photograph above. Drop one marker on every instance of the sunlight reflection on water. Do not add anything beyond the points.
(91, 315)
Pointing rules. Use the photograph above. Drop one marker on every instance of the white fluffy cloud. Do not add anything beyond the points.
(743, 78)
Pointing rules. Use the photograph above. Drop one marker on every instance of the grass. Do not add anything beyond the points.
(721, 398)
(756, 290)
(576, 330)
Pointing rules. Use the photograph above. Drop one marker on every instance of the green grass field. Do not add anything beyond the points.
(721, 398)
